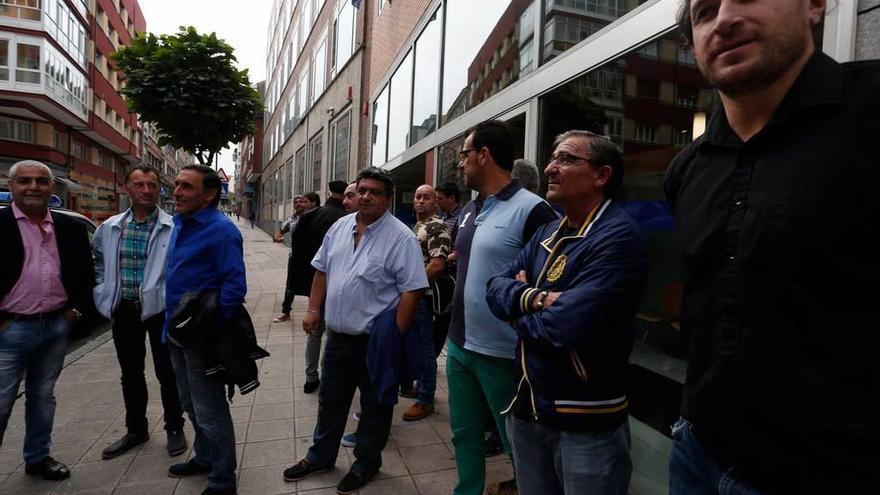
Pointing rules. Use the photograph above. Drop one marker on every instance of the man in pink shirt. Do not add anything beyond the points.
(46, 281)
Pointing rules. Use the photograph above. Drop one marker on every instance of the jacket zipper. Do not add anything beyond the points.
(526, 378)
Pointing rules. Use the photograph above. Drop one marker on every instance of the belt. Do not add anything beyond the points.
(48, 315)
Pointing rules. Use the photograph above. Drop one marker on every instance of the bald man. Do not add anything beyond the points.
(350, 199)
(436, 245)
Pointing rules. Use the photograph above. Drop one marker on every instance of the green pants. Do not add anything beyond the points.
(476, 383)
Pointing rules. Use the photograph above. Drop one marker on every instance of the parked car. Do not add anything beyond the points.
(84, 327)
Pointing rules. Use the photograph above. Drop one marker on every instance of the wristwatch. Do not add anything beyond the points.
(76, 313)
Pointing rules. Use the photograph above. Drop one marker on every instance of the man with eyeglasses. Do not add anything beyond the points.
(493, 228)
(571, 296)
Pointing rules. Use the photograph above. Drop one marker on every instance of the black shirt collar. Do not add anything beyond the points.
(819, 83)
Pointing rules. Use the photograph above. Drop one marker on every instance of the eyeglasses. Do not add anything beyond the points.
(464, 153)
(566, 159)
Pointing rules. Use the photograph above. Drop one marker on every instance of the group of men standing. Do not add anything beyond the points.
(780, 395)
(141, 264)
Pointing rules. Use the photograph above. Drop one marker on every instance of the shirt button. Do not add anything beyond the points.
(732, 258)
(738, 203)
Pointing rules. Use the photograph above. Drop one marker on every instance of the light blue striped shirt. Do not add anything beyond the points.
(365, 281)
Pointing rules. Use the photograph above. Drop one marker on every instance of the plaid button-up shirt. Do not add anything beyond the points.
(133, 254)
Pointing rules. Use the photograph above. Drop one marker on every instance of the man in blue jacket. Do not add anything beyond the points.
(205, 253)
(571, 297)
(130, 251)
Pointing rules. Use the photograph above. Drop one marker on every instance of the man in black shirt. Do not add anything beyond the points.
(775, 205)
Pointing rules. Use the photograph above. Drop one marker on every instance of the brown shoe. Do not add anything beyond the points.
(418, 411)
(282, 317)
(504, 488)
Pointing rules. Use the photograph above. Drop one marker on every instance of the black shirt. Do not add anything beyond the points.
(306, 239)
(781, 282)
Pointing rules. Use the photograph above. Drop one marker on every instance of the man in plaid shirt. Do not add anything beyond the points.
(130, 251)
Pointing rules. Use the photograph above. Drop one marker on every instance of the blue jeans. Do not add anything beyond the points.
(693, 472)
(204, 401)
(38, 347)
(424, 324)
(553, 461)
(344, 369)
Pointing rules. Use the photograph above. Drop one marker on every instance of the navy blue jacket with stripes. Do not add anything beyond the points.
(572, 356)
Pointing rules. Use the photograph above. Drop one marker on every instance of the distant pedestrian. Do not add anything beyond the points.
(526, 172)
(253, 216)
(305, 241)
(366, 285)
(46, 281)
(131, 251)
(571, 297)
(351, 201)
(449, 202)
(313, 200)
(205, 253)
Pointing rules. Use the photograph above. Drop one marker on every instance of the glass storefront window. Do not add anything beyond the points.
(380, 128)
(481, 52)
(447, 166)
(568, 22)
(399, 107)
(653, 103)
(427, 73)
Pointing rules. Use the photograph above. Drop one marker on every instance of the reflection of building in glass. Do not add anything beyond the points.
(568, 22)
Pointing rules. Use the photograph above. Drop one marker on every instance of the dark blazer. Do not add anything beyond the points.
(305, 240)
(77, 267)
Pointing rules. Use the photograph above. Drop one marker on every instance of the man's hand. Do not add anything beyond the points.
(551, 298)
(72, 315)
(310, 321)
(278, 237)
(521, 276)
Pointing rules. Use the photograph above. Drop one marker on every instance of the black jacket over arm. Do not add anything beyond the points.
(77, 268)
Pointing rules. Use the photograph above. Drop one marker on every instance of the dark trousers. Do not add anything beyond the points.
(129, 334)
(287, 304)
(343, 370)
(441, 329)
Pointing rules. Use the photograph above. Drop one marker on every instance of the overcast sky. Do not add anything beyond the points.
(242, 24)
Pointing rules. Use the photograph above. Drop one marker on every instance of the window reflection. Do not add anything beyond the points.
(380, 128)
(653, 102)
(482, 50)
(427, 54)
(399, 107)
(568, 22)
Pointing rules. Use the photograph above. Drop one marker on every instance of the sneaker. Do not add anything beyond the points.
(418, 411)
(282, 317)
(48, 469)
(309, 387)
(302, 469)
(352, 482)
(188, 468)
(356, 415)
(124, 444)
(349, 440)
(176, 444)
(504, 488)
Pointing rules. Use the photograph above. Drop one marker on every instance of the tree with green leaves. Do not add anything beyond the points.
(188, 86)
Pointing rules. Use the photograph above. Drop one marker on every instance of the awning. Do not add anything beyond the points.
(72, 185)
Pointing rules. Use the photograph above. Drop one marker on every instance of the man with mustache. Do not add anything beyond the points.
(775, 204)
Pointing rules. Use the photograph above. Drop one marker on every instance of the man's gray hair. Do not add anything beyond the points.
(527, 174)
(603, 151)
(30, 163)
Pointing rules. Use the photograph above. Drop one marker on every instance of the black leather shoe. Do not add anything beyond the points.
(176, 442)
(48, 469)
(124, 444)
(309, 387)
(302, 469)
(352, 482)
(188, 468)
(214, 491)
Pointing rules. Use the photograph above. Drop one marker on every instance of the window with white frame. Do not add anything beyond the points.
(4, 60)
(319, 68)
(300, 178)
(27, 63)
(16, 130)
(316, 147)
(21, 9)
(343, 36)
(340, 146)
(303, 90)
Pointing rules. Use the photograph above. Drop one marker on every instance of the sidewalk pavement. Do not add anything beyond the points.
(273, 426)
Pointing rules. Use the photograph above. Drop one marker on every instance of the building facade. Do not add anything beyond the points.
(312, 99)
(248, 159)
(59, 96)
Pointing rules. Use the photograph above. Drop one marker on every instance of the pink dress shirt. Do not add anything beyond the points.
(39, 288)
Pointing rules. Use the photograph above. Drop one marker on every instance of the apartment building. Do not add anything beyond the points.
(312, 99)
(59, 96)
(248, 158)
(164, 159)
